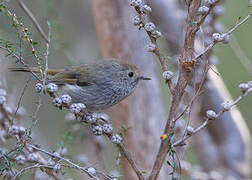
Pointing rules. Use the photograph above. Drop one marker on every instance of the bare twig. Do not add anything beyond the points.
(35, 114)
(19, 102)
(205, 123)
(30, 167)
(198, 93)
(21, 61)
(34, 117)
(239, 24)
(131, 161)
(47, 54)
(205, 15)
(34, 20)
(64, 159)
(228, 33)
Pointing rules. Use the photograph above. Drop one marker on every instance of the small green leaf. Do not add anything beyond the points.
(175, 165)
(143, 172)
(42, 169)
(34, 42)
(168, 57)
(168, 162)
(193, 23)
(49, 23)
(124, 128)
(171, 135)
(4, 177)
(172, 173)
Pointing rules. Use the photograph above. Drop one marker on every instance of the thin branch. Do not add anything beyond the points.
(205, 123)
(47, 54)
(205, 15)
(9, 152)
(19, 101)
(28, 168)
(131, 161)
(239, 24)
(121, 147)
(34, 117)
(64, 159)
(198, 93)
(34, 20)
(21, 61)
(205, 51)
(35, 114)
(156, 51)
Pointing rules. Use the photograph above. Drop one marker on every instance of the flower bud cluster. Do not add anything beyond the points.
(92, 117)
(91, 171)
(97, 130)
(66, 99)
(2, 100)
(51, 87)
(145, 9)
(156, 34)
(20, 159)
(137, 20)
(190, 130)
(210, 2)
(76, 108)
(107, 128)
(57, 102)
(16, 130)
(245, 86)
(116, 139)
(217, 37)
(226, 106)
(211, 114)
(151, 47)
(150, 27)
(57, 168)
(135, 3)
(168, 75)
(203, 10)
(38, 87)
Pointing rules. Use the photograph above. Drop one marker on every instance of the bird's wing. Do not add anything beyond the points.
(81, 75)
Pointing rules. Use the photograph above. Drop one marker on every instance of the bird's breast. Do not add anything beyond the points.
(97, 97)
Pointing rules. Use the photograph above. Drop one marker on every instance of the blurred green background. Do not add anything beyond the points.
(230, 66)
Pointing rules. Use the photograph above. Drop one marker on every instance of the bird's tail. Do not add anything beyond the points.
(25, 69)
(51, 72)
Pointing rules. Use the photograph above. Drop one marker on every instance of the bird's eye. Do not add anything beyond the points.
(131, 74)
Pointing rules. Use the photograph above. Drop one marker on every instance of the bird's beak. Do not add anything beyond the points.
(144, 78)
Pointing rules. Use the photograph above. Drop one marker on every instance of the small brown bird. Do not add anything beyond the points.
(99, 85)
